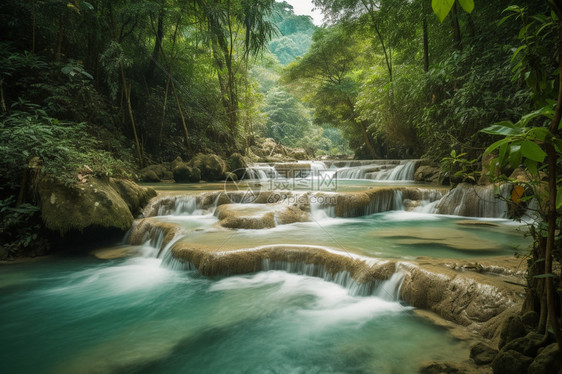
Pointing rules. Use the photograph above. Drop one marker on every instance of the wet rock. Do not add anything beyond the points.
(134, 195)
(445, 367)
(549, 360)
(474, 201)
(511, 328)
(468, 299)
(482, 354)
(511, 362)
(96, 203)
(212, 167)
(530, 319)
(427, 173)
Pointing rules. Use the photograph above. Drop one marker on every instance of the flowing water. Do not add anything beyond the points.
(137, 315)
(82, 315)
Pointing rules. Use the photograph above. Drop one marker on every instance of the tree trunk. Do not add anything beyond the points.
(368, 140)
(425, 44)
(185, 132)
(456, 27)
(59, 40)
(157, 45)
(127, 90)
(33, 25)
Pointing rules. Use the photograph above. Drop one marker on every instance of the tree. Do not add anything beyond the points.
(236, 29)
(328, 69)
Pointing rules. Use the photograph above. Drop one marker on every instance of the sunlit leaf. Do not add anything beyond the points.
(442, 7)
(467, 5)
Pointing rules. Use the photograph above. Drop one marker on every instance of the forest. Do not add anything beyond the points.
(112, 90)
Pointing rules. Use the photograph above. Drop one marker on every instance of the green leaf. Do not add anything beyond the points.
(531, 166)
(559, 198)
(88, 5)
(514, 155)
(540, 133)
(441, 8)
(502, 128)
(503, 152)
(532, 151)
(496, 145)
(547, 275)
(467, 5)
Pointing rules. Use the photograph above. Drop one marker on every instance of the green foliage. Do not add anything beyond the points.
(18, 226)
(295, 34)
(63, 148)
(459, 169)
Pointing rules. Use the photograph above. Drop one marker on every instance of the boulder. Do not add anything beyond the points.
(527, 345)
(482, 354)
(147, 175)
(155, 173)
(511, 328)
(95, 203)
(237, 164)
(427, 173)
(549, 360)
(511, 362)
(445, 367)
(212, 167)
(135, 196)
(184, 173)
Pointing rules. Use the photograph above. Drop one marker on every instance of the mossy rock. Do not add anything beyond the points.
(134, 195)
(195, 174)
(161, 171)
(148, 176)
(212, 167)
(237, 164)
(95, 203)
(184, 173)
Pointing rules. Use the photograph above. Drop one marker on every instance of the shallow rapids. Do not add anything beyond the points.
(84, 315)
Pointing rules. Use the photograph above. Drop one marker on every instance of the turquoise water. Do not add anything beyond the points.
(83, 315)
(394, 234)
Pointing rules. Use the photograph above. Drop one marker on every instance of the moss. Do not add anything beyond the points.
(134, 195)
(95, 203)
(237, 165)
(212, 167)
(182, 173)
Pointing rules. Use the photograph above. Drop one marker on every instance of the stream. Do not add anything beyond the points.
(136, 314)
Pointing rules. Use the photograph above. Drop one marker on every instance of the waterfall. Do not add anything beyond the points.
(475, 201)
(387, 170)
(388, 290)
(377, 170)
(261, 172)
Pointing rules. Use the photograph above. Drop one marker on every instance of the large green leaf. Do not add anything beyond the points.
(502, 128)
(532, 151)
(442, 7)
(559, 198)
(467, 5)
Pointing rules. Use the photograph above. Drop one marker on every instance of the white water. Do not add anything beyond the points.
(376, 170)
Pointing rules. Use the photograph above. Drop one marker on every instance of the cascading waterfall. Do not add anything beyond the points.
(343, 278)
(377, 170)
(475, 201)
